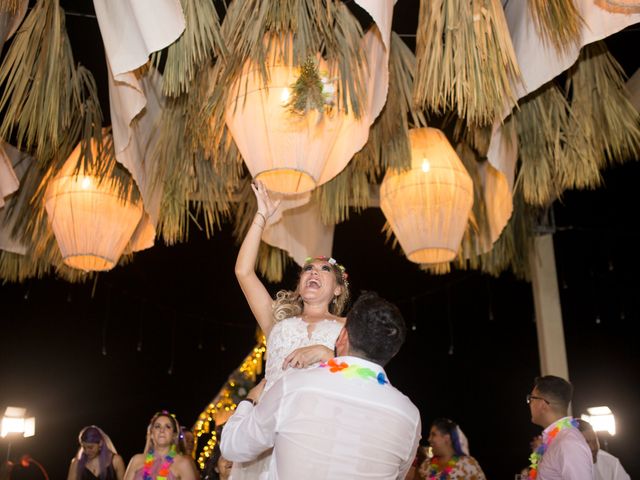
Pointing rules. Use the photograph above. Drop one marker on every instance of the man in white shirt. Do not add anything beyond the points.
(564, 453)
(342, 420)
(605, 465)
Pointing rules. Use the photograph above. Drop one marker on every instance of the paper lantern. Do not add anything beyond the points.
(428, 206)
(288, 152)
(91, 222)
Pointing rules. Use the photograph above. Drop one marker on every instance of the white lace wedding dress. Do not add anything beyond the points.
(285, 336)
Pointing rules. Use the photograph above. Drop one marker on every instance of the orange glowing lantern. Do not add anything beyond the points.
(428, 206)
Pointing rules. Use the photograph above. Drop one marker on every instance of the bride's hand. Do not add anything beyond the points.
(266, 206)
(304, 356)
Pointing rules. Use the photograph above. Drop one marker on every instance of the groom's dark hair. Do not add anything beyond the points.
(376, 328)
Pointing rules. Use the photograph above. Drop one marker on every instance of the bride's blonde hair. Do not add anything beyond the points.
(289, 303)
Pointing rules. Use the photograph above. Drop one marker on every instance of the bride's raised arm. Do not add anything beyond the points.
(254, 290)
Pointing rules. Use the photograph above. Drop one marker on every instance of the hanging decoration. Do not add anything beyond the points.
(558, 23)
(428, 206)
(35, 76)
(92, 223)
(605, 126)
(306, 84)
(283, 129)
(541, 122)
(466, 63)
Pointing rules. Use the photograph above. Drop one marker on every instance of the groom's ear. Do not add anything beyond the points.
(342, 342)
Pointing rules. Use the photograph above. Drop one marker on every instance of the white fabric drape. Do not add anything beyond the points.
(539, 63)
(300, 231)
(131, 31)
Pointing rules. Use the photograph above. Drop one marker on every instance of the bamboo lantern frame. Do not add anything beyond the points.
(428, 206)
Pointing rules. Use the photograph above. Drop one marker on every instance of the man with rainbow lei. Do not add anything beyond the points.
(342, 420)
(563, 453)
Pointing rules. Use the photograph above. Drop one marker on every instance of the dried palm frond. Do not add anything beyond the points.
(465, 59)
(10, 6)
(477, 237)
(200, 42)
(272, 262)
(558, 23)
(197, 178)
(387, 147)
(514, 247)
(477, 137)
(37, 78)
(604, 124)
(541, 122)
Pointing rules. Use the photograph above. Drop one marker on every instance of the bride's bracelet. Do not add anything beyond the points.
(264, 220)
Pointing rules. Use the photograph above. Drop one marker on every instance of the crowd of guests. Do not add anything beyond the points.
(326, 409)
(570, 447)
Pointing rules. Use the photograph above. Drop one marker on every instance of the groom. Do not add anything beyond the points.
(342, 420)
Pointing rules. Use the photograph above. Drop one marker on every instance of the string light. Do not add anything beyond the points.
(234, 390)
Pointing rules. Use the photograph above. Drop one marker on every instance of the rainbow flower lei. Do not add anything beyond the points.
(436, 472)
(536, 456)
(163, 473)
(353, 371)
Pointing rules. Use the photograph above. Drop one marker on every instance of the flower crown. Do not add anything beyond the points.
(166, 413)
(333, 262)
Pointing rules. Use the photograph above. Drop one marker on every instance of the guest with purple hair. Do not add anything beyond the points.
(450, 459)
(97, 458)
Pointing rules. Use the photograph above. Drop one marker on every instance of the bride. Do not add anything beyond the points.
(301, 326)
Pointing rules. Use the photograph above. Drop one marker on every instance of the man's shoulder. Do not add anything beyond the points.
(375, 390)
(606, 457)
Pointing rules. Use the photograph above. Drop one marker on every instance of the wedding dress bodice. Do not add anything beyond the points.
(291, 333)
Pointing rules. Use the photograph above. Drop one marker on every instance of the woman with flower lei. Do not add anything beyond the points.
(301, 325)
(451, 459)
(161, 459)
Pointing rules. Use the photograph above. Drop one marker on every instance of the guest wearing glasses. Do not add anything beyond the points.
(563, 453)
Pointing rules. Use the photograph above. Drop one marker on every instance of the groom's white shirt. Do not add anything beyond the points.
(323, 424)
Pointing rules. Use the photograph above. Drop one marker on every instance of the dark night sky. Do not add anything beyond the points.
(71, 357)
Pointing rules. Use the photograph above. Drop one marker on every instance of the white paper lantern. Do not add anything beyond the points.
(91, 223)
(428, 206)
(286, 151)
